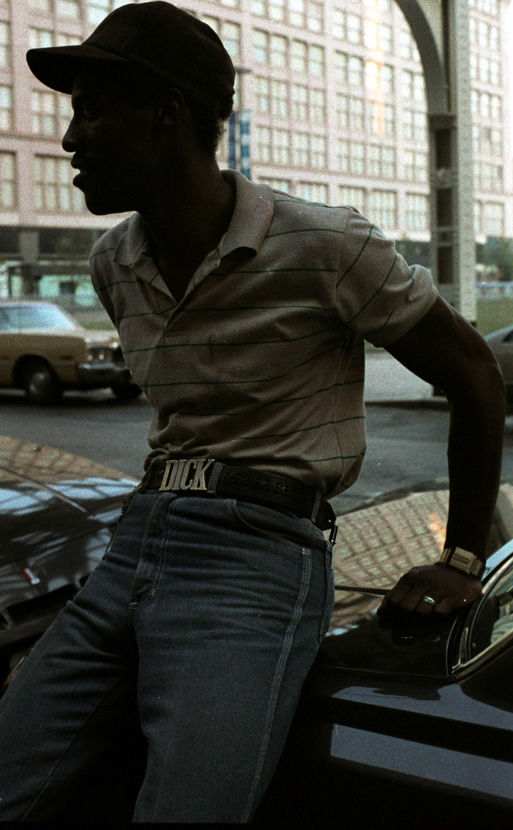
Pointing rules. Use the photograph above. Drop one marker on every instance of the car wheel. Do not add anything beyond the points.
(40, 382)
(126, 391)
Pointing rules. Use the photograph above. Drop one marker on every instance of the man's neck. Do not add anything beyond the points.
(186, 222)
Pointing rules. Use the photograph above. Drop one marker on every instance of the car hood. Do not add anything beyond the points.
(98, 338)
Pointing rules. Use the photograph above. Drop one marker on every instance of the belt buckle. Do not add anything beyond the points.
(185, 474)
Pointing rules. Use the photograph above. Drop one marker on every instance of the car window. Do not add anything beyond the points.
(35, 317)
(6, 322)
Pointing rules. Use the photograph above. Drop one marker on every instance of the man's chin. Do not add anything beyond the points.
(98, 205)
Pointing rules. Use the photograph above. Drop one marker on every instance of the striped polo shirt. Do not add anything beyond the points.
(262, 361)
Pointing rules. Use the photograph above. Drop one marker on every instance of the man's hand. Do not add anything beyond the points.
(449, 589)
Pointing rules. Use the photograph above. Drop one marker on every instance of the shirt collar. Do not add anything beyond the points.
(251, 219)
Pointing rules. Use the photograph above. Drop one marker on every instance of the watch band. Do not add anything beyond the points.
(463, 560)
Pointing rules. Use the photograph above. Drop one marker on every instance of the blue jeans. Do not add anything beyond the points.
(199, 626)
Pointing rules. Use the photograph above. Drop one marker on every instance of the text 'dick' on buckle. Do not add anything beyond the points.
(185, 474)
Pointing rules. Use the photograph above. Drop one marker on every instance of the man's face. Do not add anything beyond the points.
(111, 140)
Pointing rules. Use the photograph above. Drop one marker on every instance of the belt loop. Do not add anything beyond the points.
(316, 505)
(213, 478)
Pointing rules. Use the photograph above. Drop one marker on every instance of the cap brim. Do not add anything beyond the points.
(57, 66)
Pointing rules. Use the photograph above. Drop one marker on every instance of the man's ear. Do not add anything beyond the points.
(169, 107)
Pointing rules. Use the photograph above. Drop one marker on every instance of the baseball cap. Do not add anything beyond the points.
(164, 39)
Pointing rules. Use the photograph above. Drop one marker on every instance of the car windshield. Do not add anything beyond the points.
(494, 616)
(26, 316)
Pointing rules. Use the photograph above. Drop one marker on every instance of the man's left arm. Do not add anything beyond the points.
(447, 352)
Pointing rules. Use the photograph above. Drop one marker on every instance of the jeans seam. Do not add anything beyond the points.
(134, 603)
(282, 662)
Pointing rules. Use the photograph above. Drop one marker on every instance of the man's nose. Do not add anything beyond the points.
(69, 143)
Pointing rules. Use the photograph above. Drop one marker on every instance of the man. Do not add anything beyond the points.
(241, 313)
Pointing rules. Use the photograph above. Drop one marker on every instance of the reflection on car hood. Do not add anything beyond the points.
(56, 513)
(376, 545)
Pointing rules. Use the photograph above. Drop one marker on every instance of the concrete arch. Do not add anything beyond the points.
(425, 19)
(441, 29)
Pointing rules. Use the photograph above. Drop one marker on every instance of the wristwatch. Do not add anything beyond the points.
(463, 560)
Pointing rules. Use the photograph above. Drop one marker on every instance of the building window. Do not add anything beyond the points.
(353, 196)
(44, 112)
(378, 36)
(408, 49)
(417, 212)
(351, 157)
(40, 38)
(260, 46)
(317, 106)
(413, 86)
(63, 39)
(490, 177)
(350, 113)
(318, 152)
(228, 32)
(54, 191)
(278, 51)
(5, 108)
(313, 191)
(381, 161)
(5, 44)
(280, 152)
(381, 118)
(261, 87)
(378, 7)
(300, 149)
(379, 78)
(299, 103)
(97, 10)
(383, 209)
(487, 140)
(415, 166)
(354, 28)
(414, 125)
(43, 6)
(299, 52)
(279, 99)
(493, 219)
(7, 180)
(477, 218)
(339, 25)
(262, 144)
(283, 185)
(67, 8)
(348, 69)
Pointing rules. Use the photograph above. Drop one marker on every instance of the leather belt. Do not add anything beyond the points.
(197, 476)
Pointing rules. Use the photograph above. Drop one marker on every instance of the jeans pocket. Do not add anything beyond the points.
(278, 525)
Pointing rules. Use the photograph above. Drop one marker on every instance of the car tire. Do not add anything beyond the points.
(40, 382)
(126, 391)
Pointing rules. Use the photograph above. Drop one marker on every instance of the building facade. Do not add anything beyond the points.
(338, 115)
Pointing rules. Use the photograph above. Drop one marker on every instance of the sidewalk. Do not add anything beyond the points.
(387, 382)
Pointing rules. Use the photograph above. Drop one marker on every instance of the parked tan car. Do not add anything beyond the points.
(45, 351)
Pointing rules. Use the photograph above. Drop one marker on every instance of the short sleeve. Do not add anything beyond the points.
(378, 295)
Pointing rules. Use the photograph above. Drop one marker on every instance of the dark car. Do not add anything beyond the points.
(402, 722)
(57, 512)
(501, 343)
(405, 721)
